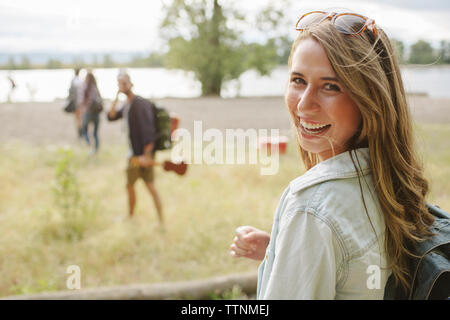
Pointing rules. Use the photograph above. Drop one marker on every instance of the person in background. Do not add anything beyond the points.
(88, 115)
(345, 225)
(13, 87)
(76, 96)
(139, 118)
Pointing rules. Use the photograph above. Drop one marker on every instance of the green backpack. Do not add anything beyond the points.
(163, 125)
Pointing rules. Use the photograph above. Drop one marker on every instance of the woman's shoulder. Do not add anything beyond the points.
(332, 198)
(337, 178)
(349, 206)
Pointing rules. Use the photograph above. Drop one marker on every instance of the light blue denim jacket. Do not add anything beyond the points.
(323, 245)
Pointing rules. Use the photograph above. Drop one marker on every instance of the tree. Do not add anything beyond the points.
(201, 40)
(399, 50)
(444, 52)
(153, 59)
(25, 63)
(284, 49)
(11, 65)
(54, 64)
(95, 62)
(78, 62)
(108, 61)
(421, 53)
(273, 24)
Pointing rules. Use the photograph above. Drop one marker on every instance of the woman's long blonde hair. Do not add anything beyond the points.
(369, 71)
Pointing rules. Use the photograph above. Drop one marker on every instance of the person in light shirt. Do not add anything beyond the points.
(76, 94)
(343, 227)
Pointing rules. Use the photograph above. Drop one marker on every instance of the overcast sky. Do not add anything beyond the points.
(132, 25)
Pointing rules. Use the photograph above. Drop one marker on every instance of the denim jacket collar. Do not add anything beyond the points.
(337, 167)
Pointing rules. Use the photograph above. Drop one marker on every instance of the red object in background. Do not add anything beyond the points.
(178, 168)
(174, 122)
(278, 144)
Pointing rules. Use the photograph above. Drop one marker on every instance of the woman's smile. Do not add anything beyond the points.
(311, 129)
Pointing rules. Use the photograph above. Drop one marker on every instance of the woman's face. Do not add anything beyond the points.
(322, 111)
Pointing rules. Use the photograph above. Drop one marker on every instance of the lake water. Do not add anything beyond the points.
(48, 85)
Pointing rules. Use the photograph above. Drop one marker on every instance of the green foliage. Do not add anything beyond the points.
(40, 285)
(261, 57)
(201, 40)
(54, 64)
(154, 59)
(25, 64)
(78, 62)
(108, 61)
(444, 52)
(73, 214)
(65, 186)
(11, 65)
(399, 50)
(284, 49)
(272, 23)
(422, 53)
(234, 293)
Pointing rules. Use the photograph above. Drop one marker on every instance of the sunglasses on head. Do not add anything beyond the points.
(350, 24)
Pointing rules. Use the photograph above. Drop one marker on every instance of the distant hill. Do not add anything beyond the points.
(66, 58)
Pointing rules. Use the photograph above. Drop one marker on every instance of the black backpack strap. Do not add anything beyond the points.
(434, 265)
(441, 229)
(391, 292)
(432, 280)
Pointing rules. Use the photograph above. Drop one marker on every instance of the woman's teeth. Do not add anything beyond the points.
(314, 127)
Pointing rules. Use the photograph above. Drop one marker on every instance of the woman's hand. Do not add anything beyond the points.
(249, 243)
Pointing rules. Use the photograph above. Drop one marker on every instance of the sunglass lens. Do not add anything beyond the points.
(310, 19)
(349, 24)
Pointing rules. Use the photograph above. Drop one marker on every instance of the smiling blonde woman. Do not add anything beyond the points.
(342, 228)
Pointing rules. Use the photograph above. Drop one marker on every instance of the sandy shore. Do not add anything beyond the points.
(47, 123)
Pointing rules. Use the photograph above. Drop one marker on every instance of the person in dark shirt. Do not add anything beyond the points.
(140, 120)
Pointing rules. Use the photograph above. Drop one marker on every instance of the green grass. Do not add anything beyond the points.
(201, 210)
(433, 141)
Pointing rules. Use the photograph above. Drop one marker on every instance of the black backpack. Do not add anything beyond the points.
(163, 126)
(431, 272)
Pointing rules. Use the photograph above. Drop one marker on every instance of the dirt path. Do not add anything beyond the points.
(47, 123)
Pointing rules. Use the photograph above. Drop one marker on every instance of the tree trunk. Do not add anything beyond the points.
(211, 85)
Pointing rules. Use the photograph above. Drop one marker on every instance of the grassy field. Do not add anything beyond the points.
(201, 209)
(40, 237)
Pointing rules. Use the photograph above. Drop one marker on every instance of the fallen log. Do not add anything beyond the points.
(194, 289)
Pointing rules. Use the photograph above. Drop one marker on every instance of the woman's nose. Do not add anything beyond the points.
(307, 100)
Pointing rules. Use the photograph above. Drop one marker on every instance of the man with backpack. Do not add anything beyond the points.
(139, 116)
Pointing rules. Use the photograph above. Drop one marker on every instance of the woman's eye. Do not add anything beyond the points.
(298, 80)
(332, 87)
